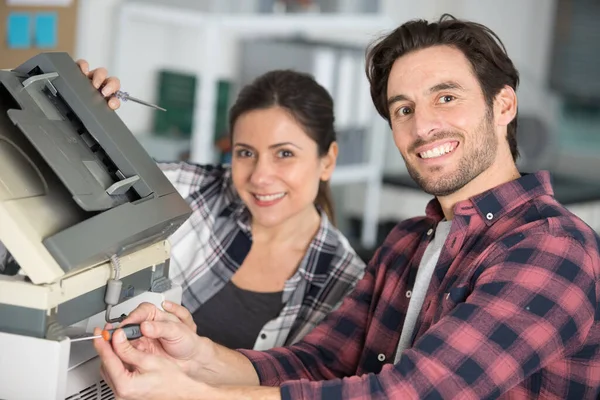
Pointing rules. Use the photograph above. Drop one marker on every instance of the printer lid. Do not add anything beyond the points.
(75, 184)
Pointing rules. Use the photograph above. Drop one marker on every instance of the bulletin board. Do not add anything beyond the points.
(29, 29)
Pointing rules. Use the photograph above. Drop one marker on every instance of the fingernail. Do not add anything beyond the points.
(166, 304)
(119, 337)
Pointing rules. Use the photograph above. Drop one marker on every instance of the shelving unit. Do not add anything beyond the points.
(205, 45)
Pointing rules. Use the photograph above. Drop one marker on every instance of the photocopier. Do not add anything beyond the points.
(85, 217)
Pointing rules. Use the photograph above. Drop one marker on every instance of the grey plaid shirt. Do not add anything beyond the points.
(211, 245)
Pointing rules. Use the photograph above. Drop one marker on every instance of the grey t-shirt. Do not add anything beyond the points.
(234, 317)
(428, 263)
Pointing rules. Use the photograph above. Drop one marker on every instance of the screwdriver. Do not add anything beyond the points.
(132, 331)
(124, 96)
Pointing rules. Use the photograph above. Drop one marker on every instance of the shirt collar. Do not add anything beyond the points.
(493, 204)
(319, 256)
(241, 214)
(236, 210)
(314, 266)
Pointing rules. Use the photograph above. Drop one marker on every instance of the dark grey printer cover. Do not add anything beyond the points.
(126, 200)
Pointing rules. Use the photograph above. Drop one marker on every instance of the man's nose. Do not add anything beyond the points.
(425, 123)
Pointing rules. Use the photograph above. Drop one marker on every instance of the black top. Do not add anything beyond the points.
(234, 317)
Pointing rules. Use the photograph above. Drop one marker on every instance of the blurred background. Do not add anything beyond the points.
(192, 56)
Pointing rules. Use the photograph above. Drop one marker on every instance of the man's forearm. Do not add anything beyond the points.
(201, 391)
(227, 367)
(247, 393)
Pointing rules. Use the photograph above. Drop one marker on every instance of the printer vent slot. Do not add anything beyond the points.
(97, 391)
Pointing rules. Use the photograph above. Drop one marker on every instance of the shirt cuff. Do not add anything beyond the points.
(266, 369)
(285, 393)
(292, 390)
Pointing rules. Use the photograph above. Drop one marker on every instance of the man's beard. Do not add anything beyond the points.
(475, 160)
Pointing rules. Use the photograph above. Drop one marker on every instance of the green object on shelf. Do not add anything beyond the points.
(176, 93)
(222, 118)
(222, 111)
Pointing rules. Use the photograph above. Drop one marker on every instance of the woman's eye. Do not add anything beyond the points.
(244, 153)
(285, 153)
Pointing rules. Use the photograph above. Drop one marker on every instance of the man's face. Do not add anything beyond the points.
(440, 120)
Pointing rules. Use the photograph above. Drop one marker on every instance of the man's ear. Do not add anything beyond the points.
(505, 106)
(328, 162)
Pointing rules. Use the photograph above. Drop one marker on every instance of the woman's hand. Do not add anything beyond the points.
(136, 375)
(100, 79)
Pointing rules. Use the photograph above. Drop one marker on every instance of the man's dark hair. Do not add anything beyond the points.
(480, 45)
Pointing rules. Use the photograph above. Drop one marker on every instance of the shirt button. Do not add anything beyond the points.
(381, 357)
(429, 232)
(408, 293)
(263, 336)
(490, 216)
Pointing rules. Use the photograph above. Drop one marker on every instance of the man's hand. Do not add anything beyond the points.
(170, 354)
(171, 335)
(135, 375)
(101, 80)
(149, 312)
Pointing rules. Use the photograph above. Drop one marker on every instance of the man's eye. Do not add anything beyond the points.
(446, 99)
(404, 111)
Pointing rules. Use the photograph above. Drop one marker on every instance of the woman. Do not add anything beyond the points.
(260, 260)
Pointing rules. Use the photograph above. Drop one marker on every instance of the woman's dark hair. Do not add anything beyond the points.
(307, 101)
(480, 45)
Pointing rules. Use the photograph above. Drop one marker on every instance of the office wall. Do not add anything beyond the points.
(58, 36)
(96, 30)
(153, 46)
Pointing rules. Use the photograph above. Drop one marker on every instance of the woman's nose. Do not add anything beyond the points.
(263, 172)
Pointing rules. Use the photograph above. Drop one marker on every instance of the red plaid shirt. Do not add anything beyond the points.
(512, 311)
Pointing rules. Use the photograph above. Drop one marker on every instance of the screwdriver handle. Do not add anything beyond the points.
(121, 95)
(132, 331)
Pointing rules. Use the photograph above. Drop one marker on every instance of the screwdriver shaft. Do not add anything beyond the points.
(85, 338)
(142, 102)
(124, 96)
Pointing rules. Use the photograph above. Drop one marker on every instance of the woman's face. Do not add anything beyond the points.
(276, 166)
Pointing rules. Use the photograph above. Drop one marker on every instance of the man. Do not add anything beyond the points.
(492, 294)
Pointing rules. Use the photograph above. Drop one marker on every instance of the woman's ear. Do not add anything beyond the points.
(328, 162)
